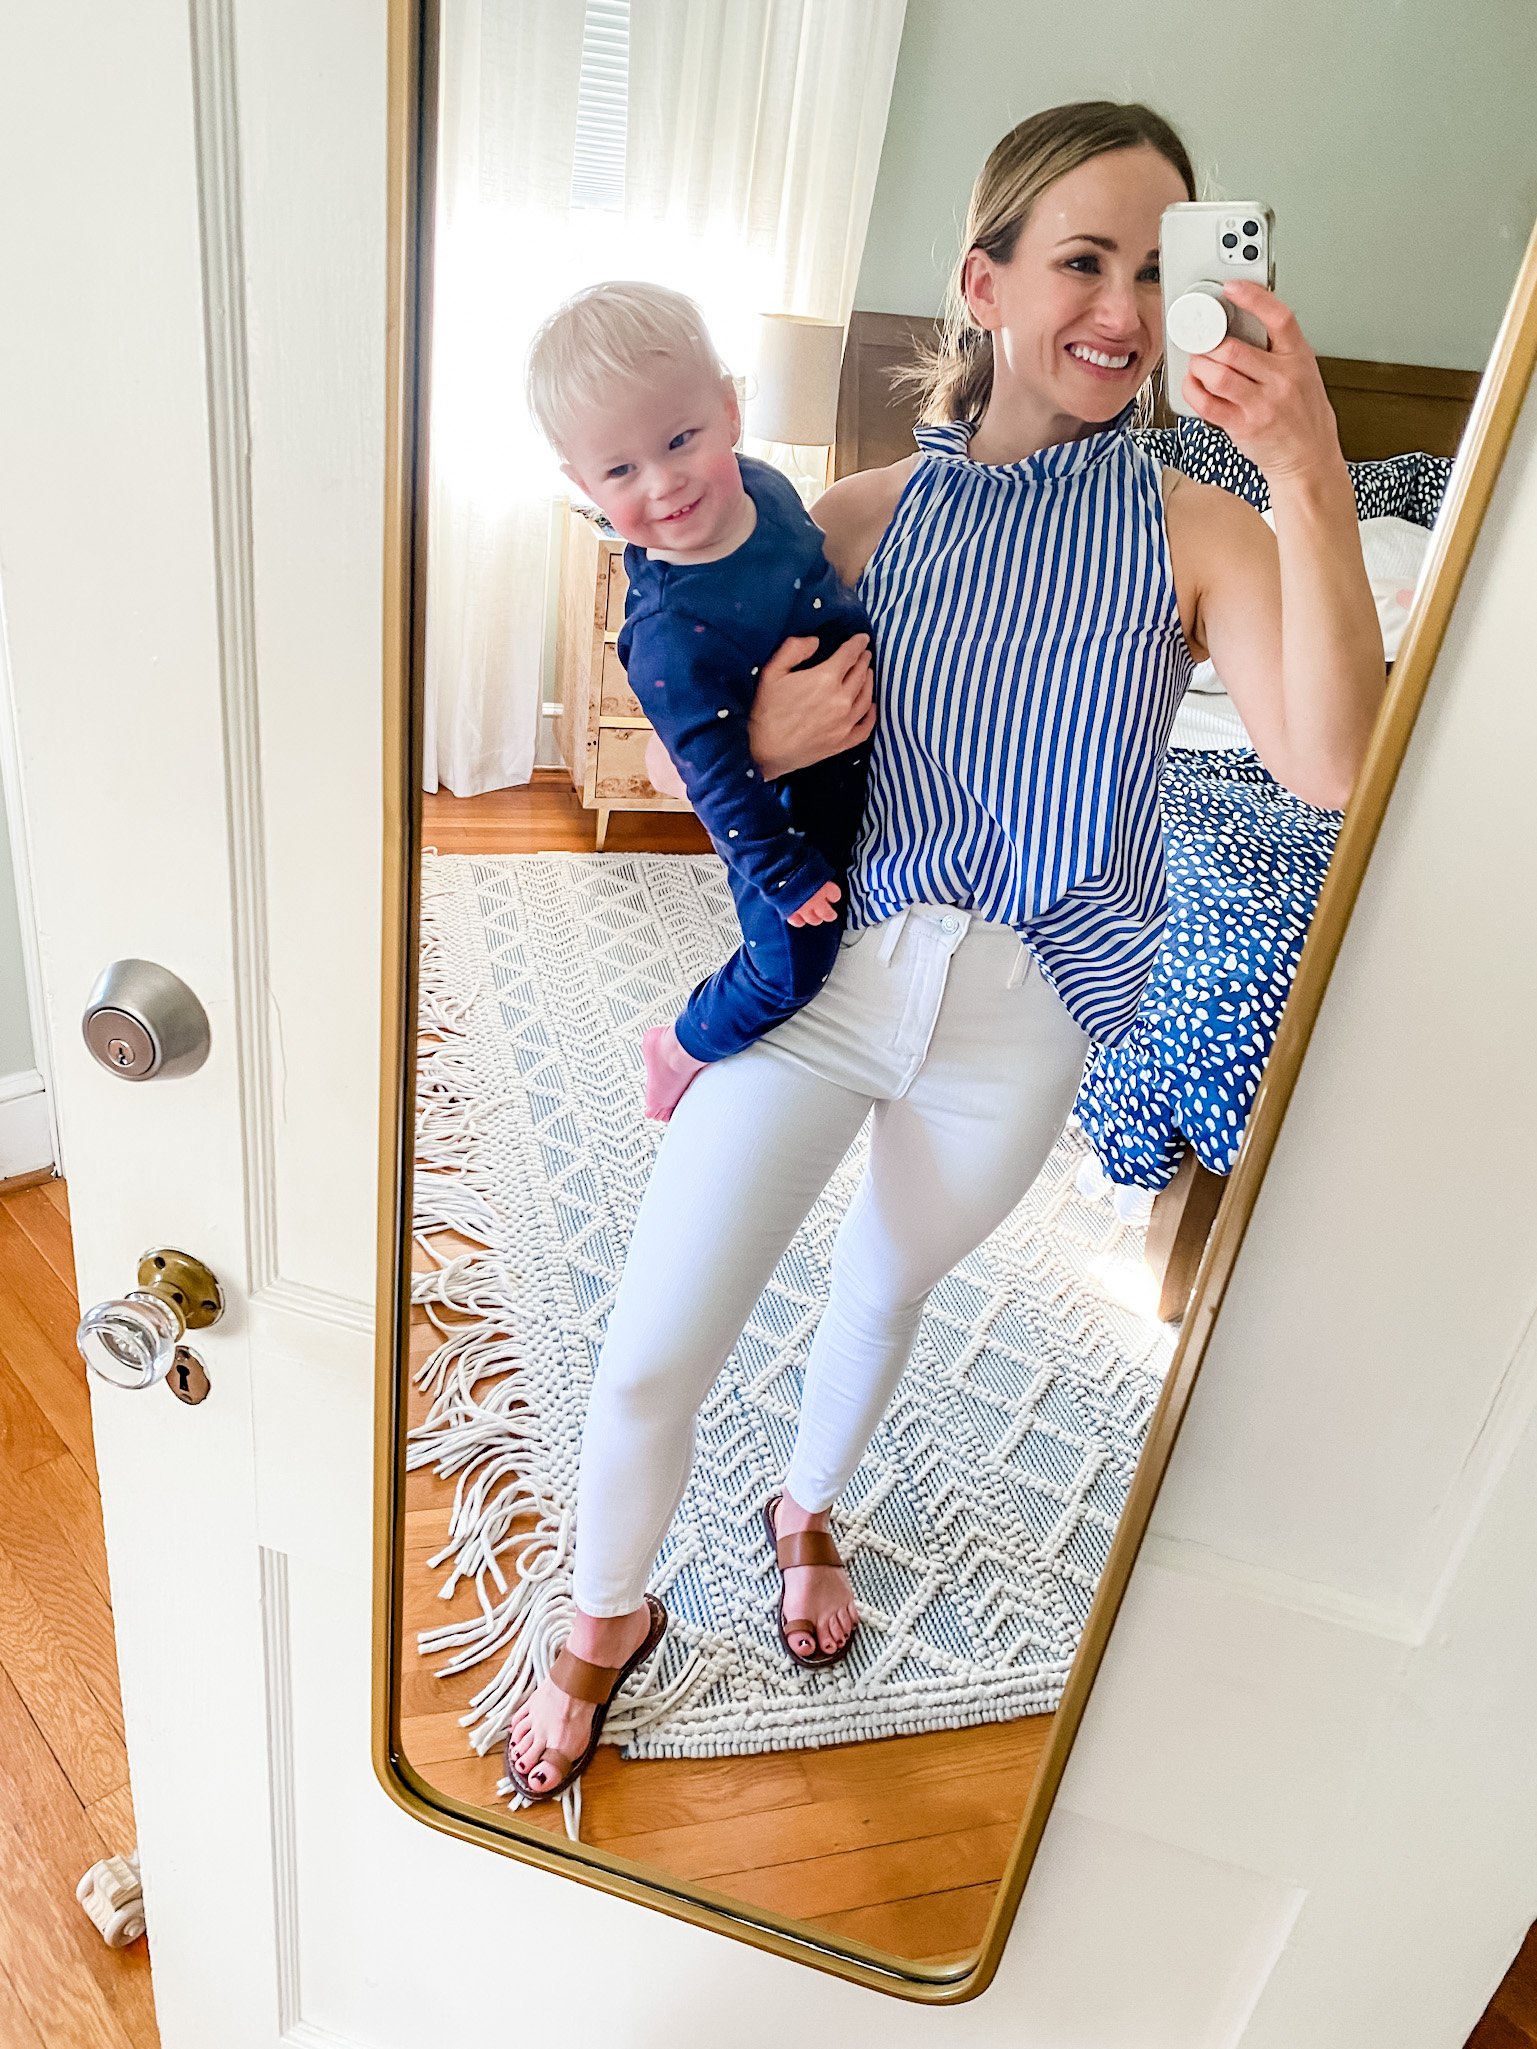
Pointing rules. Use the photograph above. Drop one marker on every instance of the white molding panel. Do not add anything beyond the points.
(26, 1130)
(217, 142)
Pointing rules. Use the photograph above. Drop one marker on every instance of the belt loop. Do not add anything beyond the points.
(890, 937)
(1020, 968)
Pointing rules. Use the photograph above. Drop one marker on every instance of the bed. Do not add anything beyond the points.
(1166, 1107)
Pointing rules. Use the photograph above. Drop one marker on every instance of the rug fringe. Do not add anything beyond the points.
(507, 1535)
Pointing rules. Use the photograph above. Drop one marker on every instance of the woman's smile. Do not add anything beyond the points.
(1103, 362)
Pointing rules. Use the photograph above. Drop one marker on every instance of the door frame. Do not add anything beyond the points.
(13, 787)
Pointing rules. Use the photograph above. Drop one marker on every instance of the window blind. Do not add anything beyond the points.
(602, 107)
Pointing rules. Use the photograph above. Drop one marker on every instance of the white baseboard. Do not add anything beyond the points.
(26, 1138)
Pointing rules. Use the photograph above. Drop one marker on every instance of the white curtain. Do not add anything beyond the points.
(510, 71)
(754, 137)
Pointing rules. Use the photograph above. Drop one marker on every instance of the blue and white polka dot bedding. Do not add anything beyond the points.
(1399, 486)
(1246, 860)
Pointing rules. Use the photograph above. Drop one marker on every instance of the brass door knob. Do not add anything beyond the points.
(131, 1343)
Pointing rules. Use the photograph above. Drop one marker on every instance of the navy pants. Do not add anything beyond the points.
(778, 967)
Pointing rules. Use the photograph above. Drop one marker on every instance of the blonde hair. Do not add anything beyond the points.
(608, 334)
(955, 377)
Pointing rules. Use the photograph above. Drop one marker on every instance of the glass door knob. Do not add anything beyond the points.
(132, 1342)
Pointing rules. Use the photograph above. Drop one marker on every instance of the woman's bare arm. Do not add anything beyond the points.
(1287, 619)
(804, 715)
(855, 512)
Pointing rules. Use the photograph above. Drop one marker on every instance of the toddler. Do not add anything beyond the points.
(724, 565)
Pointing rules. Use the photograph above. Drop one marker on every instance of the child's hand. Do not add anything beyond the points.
(820, 909)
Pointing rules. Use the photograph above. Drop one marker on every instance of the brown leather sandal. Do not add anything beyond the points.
(596, 1684)
(802, 1547)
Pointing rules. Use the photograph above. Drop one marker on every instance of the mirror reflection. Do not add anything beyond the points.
(883, 744)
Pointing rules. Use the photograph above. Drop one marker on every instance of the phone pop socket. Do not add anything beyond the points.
(1197, 321)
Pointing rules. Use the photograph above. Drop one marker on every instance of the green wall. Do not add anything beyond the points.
(1396, 140)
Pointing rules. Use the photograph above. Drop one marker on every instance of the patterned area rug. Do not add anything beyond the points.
(977, 1525)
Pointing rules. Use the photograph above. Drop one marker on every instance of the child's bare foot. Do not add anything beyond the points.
(550, 1719)
(823, 1594)
(669, 1070)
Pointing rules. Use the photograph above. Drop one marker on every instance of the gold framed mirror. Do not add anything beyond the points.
(658, 1859)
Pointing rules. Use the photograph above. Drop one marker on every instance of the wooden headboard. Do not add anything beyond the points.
(1382, 408)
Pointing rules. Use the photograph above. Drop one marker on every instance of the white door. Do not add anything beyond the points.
(191, 480)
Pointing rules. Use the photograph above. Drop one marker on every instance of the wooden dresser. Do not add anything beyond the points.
(602, 729)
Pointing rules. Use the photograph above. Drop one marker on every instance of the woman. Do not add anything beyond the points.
(1039, 591)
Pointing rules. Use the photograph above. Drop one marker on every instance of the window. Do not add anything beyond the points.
(602, 124)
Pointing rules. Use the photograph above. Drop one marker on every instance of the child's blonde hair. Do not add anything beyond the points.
(608, 334)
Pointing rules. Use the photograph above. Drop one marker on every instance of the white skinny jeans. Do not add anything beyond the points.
(945, 1026)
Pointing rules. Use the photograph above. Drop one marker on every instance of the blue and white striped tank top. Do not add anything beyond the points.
(1029, 662)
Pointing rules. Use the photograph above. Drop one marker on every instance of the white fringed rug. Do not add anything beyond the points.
(979, 1521)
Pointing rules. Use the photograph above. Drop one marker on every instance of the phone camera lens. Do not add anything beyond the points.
(1251, 227)
(1250, 253)
(1230, 241)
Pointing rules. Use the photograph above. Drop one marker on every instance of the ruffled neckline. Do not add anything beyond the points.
(952, 438)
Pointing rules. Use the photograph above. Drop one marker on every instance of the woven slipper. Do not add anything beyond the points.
(802, 1547)
(596, 1684)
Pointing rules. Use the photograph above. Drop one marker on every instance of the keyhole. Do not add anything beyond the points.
(187, 1380)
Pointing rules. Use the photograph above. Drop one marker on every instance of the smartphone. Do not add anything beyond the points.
(1202, 243)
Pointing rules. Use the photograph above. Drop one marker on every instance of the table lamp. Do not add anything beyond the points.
(796, 398)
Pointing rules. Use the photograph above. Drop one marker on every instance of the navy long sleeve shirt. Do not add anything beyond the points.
(695, 637)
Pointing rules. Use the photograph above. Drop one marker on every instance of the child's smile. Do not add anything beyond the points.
(659, 461)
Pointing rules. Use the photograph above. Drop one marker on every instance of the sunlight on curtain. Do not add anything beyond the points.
(751, 140)
(755, 137)
(510, 79)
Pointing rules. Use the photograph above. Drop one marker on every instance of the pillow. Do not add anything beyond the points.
(1408, 486)
(1394, 551)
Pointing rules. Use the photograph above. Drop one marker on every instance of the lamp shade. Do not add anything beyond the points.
(796, 400)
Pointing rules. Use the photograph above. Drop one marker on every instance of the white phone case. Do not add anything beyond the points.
(1202, 243)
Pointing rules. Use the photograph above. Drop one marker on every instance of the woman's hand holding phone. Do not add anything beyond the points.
(1271, 403)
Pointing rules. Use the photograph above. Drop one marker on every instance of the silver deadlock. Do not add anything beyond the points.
(136, 1341)
(142, 1021)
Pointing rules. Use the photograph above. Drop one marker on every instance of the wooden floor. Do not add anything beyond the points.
(1511, 2019)
(64, 1800)
(543, 817)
